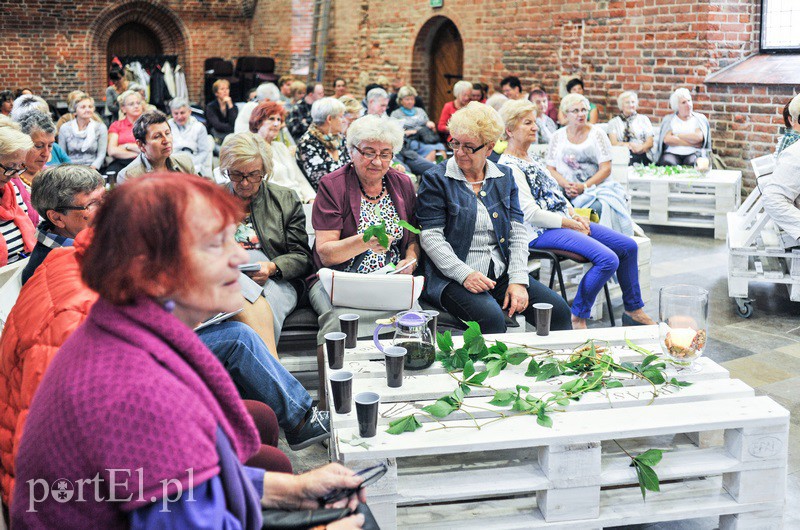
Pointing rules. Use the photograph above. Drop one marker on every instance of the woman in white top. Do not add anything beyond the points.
(632, 130)
(579, 158)
(553, 224)
(682, 134)
(83, 138)
(267, 120)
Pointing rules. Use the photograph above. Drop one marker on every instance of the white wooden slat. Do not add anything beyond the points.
(677, 501)
(426, 387)
(574, 427)
(631, 396)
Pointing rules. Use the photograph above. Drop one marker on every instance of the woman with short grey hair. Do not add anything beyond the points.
(321, 149)
(462, 94)
(684, 135)
(631, 129)
(83, 138)
(419, 129)
(41, 129)
(190, 136)
(363, 193)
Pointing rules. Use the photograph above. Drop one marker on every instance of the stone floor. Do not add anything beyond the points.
(763, 351)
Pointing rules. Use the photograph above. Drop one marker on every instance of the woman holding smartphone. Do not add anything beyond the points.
(274, 230)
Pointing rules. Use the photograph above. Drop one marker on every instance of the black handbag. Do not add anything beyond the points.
(300, 520)
(426, 136)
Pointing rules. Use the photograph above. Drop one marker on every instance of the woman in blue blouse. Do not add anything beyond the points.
(472, 232)
(554, 224)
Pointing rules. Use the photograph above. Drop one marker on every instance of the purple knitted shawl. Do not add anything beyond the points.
(133, 388)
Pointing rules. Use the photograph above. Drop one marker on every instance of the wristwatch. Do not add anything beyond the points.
(278, 273)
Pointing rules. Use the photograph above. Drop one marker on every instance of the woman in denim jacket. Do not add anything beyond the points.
(473, 232)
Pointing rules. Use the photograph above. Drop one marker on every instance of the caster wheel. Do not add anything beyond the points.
(744, 309)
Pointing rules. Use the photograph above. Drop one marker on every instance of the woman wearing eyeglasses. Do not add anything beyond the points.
(579, 158)
(273, 231)
(356, 196)
(473, 233)
(17, 231)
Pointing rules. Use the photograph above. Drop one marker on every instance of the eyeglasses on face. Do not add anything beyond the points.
(93, 205)
(577, 112)
(234, 176)
(455, 145)
(13, 171)
(369, 154)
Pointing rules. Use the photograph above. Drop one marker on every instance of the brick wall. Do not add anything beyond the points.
(55, 46)
(651, 46)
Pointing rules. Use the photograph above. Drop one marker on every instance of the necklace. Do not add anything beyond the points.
(26, 181)
(378, 196)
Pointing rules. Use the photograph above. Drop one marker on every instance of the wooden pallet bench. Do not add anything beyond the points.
(725, 450)
(699, 202)
(757, 248)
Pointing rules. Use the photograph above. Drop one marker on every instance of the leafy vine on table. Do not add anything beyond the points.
(591, 363)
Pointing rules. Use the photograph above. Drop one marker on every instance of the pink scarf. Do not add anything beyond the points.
(11, 211)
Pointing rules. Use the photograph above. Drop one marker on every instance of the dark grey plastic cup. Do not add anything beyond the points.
(395, 357)
(342, 390)
(334, 345)
(348, 323)
(542, 314)
(367, 411)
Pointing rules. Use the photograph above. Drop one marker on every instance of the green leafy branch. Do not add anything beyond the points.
(591, 363)
(379, 230)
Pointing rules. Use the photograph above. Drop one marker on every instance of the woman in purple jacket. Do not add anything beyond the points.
(136, 424)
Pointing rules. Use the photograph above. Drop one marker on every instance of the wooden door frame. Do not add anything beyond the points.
(421, 54)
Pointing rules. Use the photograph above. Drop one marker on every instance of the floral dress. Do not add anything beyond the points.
(373, 214)
(544, 188)
(315, 161)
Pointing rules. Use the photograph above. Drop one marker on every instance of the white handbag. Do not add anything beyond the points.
(389, 292)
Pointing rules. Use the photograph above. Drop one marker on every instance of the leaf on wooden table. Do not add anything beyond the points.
(503, 398)
(405, 424)
(440, 408)
(445, 341)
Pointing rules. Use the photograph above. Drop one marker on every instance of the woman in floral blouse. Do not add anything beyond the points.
(321, 150)
(553, 224)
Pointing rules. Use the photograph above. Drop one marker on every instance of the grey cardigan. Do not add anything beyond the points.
(666, 126)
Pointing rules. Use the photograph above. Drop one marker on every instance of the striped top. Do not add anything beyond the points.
(484, 249)
(11, 233)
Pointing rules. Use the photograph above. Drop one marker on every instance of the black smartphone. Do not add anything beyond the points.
(370, 476)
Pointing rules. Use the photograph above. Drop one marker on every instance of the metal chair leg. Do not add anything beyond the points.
(608, 304)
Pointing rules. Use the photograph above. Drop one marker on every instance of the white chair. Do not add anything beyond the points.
(10, 286)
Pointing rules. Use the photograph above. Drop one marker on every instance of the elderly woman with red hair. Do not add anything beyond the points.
(267, 121)
(134, 402)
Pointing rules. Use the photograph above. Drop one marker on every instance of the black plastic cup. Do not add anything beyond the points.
(334, 344)
(367, 412)
(433, 323)
(348, 323)
(395, 357)
(542, 314)
(342, 390)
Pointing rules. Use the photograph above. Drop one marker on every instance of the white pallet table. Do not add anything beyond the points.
(757, 252)
(683, 201)
(727, 452)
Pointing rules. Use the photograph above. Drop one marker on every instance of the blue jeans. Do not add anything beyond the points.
(609, 252)
(257, 374)
(486, 308)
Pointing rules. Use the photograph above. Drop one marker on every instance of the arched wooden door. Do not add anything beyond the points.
(446, 66)
(133, 39)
